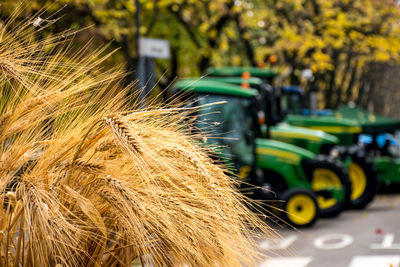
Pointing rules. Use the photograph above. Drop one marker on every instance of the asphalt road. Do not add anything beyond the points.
(366, 238)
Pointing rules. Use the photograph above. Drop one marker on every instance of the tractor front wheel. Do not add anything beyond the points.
(299, 207)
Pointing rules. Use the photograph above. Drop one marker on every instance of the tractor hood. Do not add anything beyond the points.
(371, 123)
(238, 71)
(286, 131)
(327, 124)
(282, 151)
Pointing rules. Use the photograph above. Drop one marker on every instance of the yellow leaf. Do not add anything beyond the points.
(212, 34)
(381, 56)
(224, 45)
(231, 33)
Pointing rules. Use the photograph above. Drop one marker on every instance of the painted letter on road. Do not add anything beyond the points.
(277, 244)
(333, 241)
(387, 243)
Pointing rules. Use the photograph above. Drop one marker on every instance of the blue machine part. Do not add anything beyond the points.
(365, 139)
(320, 112)
(292, 89)
(288, 89)
(380, 139)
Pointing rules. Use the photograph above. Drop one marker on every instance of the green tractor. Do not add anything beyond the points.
(272, 166)
(330, 138)
(379, 138)
(362, 169)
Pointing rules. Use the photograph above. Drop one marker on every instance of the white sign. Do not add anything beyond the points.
(154, 48)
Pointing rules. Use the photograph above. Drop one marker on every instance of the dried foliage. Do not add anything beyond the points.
(86, 181)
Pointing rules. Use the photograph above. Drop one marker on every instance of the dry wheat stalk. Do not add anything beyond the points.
(138, 184)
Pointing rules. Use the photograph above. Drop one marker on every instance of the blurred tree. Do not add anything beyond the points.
(338, 39)
(192, 27)
(342, 41)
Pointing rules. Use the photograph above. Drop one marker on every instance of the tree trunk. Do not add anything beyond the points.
(247, 45)
(350, 85)
(329, 93)
(343, 87)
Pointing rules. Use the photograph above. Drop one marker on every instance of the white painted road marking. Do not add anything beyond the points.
(287, 262)
(375, 261)
(357, 261)
(387, 243)
(328, 242)
(277, 244)
(333, 241)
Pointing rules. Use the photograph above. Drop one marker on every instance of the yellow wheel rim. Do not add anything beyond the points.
(358, 180)
(300, 209)
(323, 179)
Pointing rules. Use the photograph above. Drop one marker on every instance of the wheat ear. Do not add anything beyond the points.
(89, 167)
(122, 132)
(7, 68)
(4, 120)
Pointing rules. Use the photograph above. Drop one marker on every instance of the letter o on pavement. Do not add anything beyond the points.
(333, 241)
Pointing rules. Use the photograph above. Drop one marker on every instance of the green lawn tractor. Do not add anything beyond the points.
(330, 138)
(270, 165)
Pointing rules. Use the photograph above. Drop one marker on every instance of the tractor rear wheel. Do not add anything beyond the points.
(299, 207)
(326, 173)
(363, 177)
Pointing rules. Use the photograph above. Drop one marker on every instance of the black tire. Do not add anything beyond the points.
(322, 162)
(309, 203)
(363, 163)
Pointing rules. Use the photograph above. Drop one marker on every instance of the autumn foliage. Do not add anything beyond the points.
(342, 41)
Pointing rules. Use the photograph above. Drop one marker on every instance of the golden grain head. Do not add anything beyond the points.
(97, 184)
